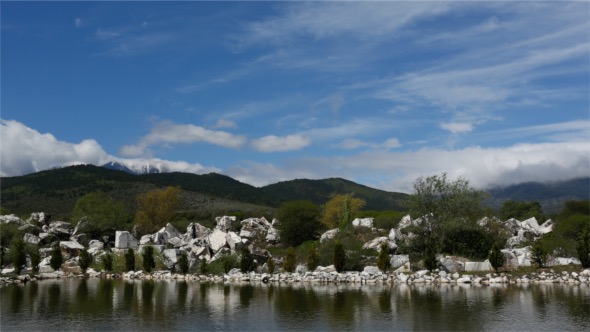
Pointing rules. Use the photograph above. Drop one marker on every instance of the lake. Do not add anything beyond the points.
(123, 305)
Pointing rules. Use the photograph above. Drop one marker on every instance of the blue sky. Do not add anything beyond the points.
(376, 92)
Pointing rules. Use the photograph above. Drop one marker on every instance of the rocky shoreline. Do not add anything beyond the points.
(326, 275)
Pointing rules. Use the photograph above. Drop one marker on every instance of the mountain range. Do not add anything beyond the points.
(56, 191)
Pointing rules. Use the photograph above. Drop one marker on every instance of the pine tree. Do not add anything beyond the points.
(19, 256)
(271, 265)
(539, 254)
(84, 260)
(430, 262)
(289, 264)
(496, 257)
(339, 258)
(130, 260)
(183, 263)
(203, 267)
(313, 258)
(56, 258)
(148, 259)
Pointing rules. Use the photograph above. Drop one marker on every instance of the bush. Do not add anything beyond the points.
(339, 257)
(203, 266)
(148, 259)
(18, 254)
(183, 263)
(246, 261)
(223, 264)
(313, 258)
(496, 257)
(383, 260)
(539, 254)
(35, 257)
(430, 262)
(467, 240)
(84, 260)
(107, 261)
(290, 263)
(300, 222)
(130, 260)
(56, 258)
(271, 265)
(584, 249)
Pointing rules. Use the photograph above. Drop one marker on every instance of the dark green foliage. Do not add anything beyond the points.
(35, 256)
(539, 254)
(570, 223)
(56, 258)
(290, 263)
(521, 210)
(103, 214)
(84, 260)
(149, 263)
(339, 257)
(383, 260)
(130, 260)
(247, 261)
(18, 254)
(300, 221)
(430, 262)
(584, 249)
(107, 261)
(8, 232)
(229, 262)
(183, 263)
(465, 239)
(271, 265)
(496, 257)
(313, 258)
(203, 266)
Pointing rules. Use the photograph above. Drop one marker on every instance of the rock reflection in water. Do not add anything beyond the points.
(116, 305)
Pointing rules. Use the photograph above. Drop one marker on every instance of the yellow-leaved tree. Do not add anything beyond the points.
(340, 209)
(156, 208)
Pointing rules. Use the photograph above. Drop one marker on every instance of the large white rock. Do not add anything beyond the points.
(556, 261)
(217, 240)
(31, 238)
(399, 260)
(39, 218)
(478, 266)
(329, 235)
(450, 265)
(363, 222)
(325, 269)
(405, 222)
(234, 241)
(515, 241)
(125, 240)
(371, 269)
(71, 245)
(171, 231)
(375, 244)
(272, 236)
(547, 226)
(11, 219)
(225, 223)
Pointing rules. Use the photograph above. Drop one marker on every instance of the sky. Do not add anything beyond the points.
(379, 93)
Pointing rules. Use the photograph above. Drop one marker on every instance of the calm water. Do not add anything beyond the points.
(118, 305)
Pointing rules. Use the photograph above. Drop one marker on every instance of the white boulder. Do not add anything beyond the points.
(329, 235)
(363, 222)
(125, 240)
(225, 223)
(217, 240)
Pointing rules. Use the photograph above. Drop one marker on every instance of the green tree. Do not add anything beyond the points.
(156, 208)
(203, 267)
(313, 258)
(130, 260)
(339, 257)
(539, 254)
(35, 257)
(246, 261)
(56, 258)
(102, 214)
(183, 263)
(290, 263)
(271, 265)
(383, 260)
(300, 222)
(521, 210)
(18, 253)
(430, 261)
(149, 263)
(496, 257)
(584, 249)
(107, 261)
(340, 209)
(84, 260)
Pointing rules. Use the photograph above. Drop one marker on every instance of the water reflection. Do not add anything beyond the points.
(169, 305)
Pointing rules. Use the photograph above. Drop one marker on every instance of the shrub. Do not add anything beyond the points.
(290, 263)
(339, 257)
(56, 258)
(313, 258)
(35, 258)
(148, 259)
(130, 260)
(300, 222)
(107, 261)
(539, 254)
(465, 240)
(203, 266)
(496, 257)
(383, 260)
(430, 262)
(584, 249)
(18, 254)
(271, 265)
(183, 263)
(246, 261)
(84, 260)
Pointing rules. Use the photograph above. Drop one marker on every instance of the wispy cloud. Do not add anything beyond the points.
(272, 143)
(166, 133)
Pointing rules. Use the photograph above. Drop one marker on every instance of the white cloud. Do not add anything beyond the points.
(78, 22)
(457, 127)
(353, 143)
(223, 123)
(25, 150)
(274, 143)
(166, 133)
